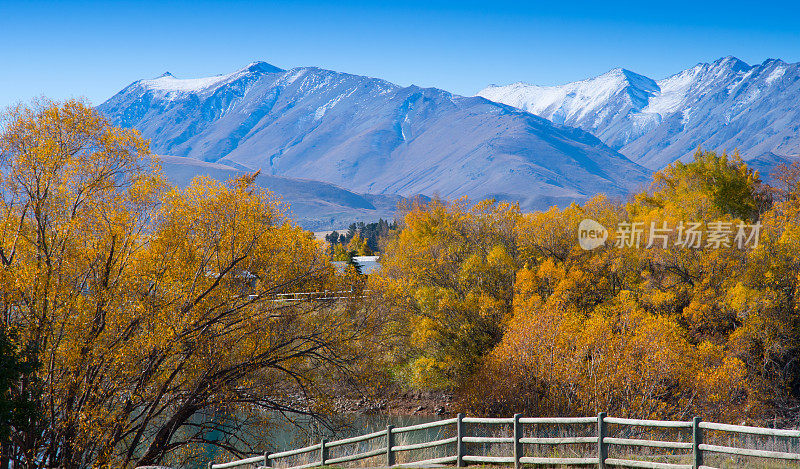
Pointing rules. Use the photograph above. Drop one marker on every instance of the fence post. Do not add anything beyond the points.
(517, 444)
(459, 440)
(267, 463)
(210, 464)
(602, 449)
(697, 440)
(323, 452)
(389, 444)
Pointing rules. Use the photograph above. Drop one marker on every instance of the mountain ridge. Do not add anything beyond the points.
(722, 105)
(371, 136)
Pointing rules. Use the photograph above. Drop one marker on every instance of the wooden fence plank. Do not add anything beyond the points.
(602, 440)
(650, 423)
(294, 452)
(645, 464)
(565, 461)
(563, 440)
(488, 420)
(649, 443)
(240, 462)
(425, 444)
(760, 453)
(423, 426)
(355, 439)
(750, 430)
(488, 439)
(557, 420)
(490, 459)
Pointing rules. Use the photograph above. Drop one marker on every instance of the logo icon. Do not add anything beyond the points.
(591, 235)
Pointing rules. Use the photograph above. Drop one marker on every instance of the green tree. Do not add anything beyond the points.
(18, 387)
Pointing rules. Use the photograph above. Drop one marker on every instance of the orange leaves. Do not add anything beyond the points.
(721, 381)
(618, 358)
(654, 331)
(148, 305)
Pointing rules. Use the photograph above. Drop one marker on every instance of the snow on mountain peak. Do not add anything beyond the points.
(170, 84)
(726, 104)
(732, 63)
(574, 102)
(369, 135)
(777, 73)
(261, 67)
(580, 100)
(678, 90)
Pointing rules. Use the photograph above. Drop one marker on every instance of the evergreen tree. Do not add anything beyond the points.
(17, 410)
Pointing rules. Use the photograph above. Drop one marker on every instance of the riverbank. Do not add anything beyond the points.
(401, 403)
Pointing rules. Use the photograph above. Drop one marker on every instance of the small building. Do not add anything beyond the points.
(366, 264)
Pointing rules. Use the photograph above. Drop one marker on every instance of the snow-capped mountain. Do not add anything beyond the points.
(724, 105)
(371, 136)
(599, 105)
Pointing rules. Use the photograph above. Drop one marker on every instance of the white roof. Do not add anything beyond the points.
(367, 264)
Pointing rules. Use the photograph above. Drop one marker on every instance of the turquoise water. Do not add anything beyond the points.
(288, 437)
(283, 434)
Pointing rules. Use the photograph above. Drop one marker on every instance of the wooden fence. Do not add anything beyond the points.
(695, 450)
(324, 296)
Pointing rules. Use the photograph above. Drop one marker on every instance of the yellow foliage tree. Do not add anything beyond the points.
(148, 307)
(654, 331)
(358, 246)
(447, 279)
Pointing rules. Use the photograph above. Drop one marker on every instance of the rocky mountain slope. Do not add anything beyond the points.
(370, 136)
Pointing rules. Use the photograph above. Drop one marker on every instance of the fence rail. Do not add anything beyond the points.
(321, 296)
(599, 457)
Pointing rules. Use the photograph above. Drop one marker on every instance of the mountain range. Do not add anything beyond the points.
(370, 136)
(724, 105)
(339, 147)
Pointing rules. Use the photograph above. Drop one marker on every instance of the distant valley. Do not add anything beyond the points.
(314, 205)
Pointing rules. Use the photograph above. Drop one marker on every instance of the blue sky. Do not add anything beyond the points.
(93, 49)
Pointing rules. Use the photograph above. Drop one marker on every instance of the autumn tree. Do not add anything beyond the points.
(764, 299)
(653, 331)
(152, 308)
(448, 278)
(787, 177)
(710, 186)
